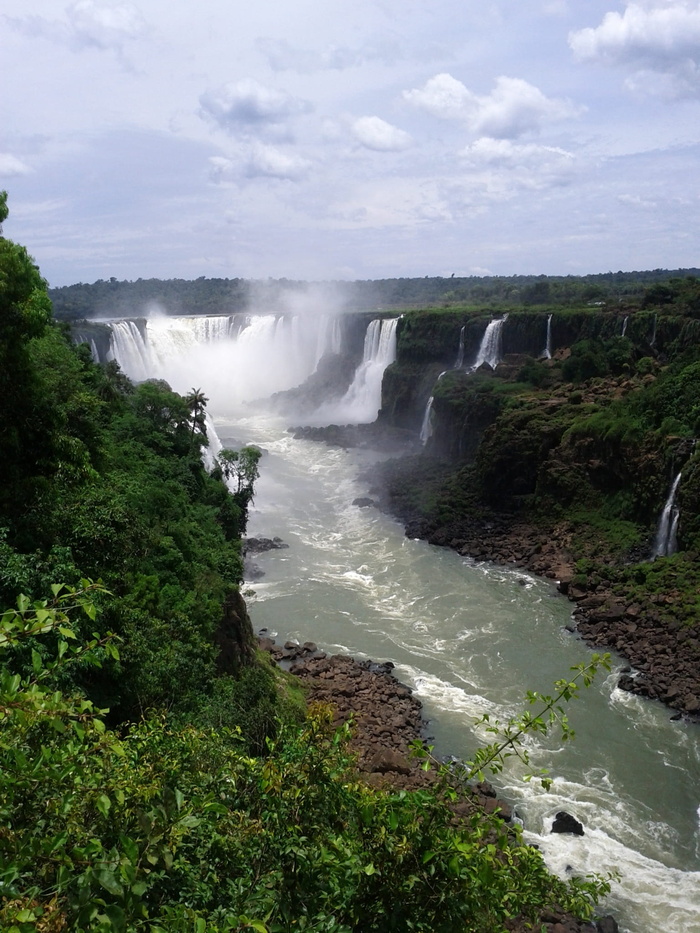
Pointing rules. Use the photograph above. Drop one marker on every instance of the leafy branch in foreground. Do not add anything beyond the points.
(509, 742)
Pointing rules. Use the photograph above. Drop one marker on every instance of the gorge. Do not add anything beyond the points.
(468, 637)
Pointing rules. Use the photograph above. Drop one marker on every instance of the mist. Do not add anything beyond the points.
(288, 352)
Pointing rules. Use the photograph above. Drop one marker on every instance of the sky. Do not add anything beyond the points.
(329, 139)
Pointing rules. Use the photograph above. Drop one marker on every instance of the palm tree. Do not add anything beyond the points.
(197, 403)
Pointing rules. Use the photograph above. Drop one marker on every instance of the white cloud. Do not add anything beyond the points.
(251, 106)
(443, 96)
(661, 38)
(520, 164)
(271, 162)
(104, 25)
(377, 134)
(513, 108)
(88, 24)
(11, 166)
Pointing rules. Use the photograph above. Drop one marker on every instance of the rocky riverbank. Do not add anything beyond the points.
(640, 625)
(664, 654)
(386, 720)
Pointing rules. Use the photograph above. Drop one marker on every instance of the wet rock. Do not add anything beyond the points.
(260, 545)
(566, 823)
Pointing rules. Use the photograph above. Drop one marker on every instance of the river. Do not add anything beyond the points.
(470, 639)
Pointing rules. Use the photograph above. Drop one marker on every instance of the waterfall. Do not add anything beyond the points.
(460, 352)
(426, 429)
(665, 541)
(624, 325)
(547, 352)
(652, 342)
(362, 401)
(490, 349)
(244, 357)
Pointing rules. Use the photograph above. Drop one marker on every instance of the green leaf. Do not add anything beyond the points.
(109, 882)
(103, 804)
(37, 663)
(116, 917)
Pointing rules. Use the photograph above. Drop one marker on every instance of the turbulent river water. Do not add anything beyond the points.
(472, 639)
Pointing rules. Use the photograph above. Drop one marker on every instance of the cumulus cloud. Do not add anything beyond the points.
(375, 133)
(443, 96)
(11, 166)
(88, 24)
(514, 107)
(520, 165)
(249, 106)
(271, 162)
(653, 38)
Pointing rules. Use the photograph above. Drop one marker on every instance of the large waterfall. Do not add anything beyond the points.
(243, 358)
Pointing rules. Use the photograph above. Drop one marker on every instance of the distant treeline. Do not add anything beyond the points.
(113, 298)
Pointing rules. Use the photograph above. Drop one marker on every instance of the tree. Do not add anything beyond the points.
(197, 402)
(240, 468)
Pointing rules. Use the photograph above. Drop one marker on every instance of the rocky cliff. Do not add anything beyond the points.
(560, 455)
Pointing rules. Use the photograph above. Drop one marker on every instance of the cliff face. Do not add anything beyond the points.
(562, 459)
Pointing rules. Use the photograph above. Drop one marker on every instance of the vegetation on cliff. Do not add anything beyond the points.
(574, 440)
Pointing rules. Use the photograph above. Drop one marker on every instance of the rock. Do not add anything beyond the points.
(260, 545)
(566, 823)
(363, 502)
(388, 760)
(607, 925)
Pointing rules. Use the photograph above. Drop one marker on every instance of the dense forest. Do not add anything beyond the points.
(156, 772)
(228, 296)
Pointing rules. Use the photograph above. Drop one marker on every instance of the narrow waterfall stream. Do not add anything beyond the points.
(665, 542)
(468, 638)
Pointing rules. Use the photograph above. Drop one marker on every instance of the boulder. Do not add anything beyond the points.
(566, 823)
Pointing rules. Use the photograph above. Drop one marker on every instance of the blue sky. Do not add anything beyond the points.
(321, 139)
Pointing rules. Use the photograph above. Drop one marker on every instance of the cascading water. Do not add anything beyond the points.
(460, 351)
(426, 430)
(624, 325)
(665, 541)
(547, 352)
(362, 401)
(244, 357)
(489, 352)
(490, 348)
